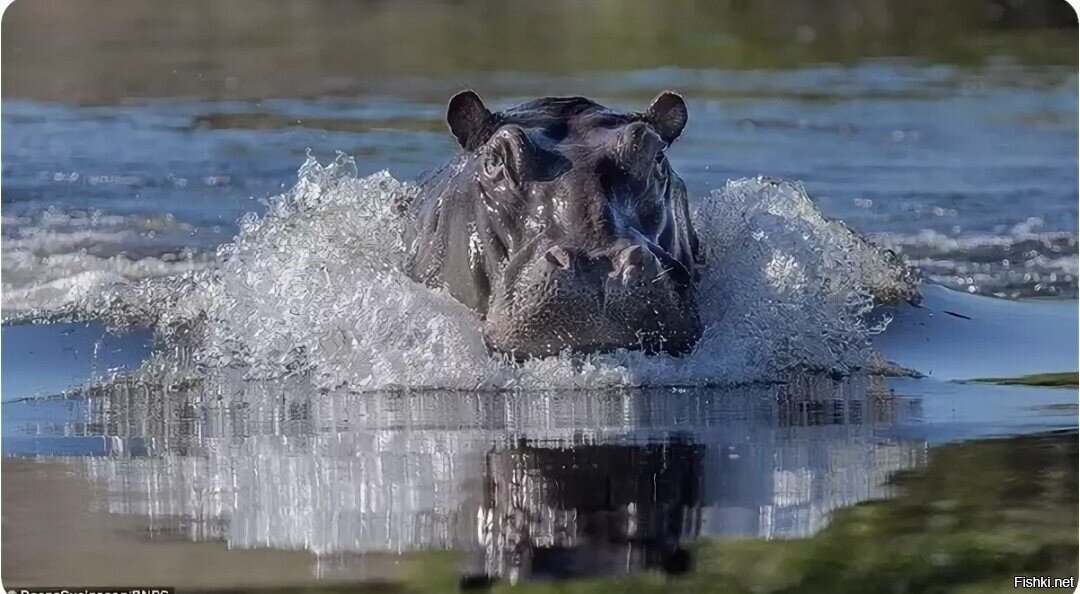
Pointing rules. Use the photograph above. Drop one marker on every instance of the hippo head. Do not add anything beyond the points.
(578, 233)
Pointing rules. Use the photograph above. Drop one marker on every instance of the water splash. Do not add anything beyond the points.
(314, 287)
(58, 257)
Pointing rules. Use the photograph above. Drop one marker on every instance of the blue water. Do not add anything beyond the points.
(970, 173)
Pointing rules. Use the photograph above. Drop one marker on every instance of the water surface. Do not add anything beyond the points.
(950, 138)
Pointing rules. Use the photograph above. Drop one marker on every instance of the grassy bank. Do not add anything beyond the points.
(1056, 380)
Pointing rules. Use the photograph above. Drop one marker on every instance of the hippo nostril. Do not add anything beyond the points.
(558, 257)
(634, 255)
(634, 262)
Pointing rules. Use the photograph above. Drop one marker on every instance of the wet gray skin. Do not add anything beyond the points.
(563, 226)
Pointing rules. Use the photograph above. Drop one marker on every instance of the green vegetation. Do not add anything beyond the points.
(979, 514)
(1063, 379)
(255, 50)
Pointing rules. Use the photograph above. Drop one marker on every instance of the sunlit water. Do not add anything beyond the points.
(970, 174)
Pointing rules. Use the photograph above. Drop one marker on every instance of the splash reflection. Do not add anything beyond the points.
(527, 484)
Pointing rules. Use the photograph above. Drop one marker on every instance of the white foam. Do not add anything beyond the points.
(59, 258)
(314, 287)
(1020, 261)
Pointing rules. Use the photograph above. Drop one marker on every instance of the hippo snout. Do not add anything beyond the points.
(628, 264)
(634, 264)
(619, 296)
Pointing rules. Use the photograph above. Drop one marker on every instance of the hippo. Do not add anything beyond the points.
(563, 226)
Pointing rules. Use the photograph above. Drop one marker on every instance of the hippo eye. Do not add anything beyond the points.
(660, 170)
(509, 156)
(611, 174)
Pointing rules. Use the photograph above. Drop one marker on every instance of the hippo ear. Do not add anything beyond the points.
(466, 115)
(667, 115)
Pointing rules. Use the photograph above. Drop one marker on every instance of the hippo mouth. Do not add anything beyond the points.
(538, 336)
(636, 300)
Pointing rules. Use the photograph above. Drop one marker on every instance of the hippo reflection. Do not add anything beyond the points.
(590, 509)
(603, 482)
(563, 226)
